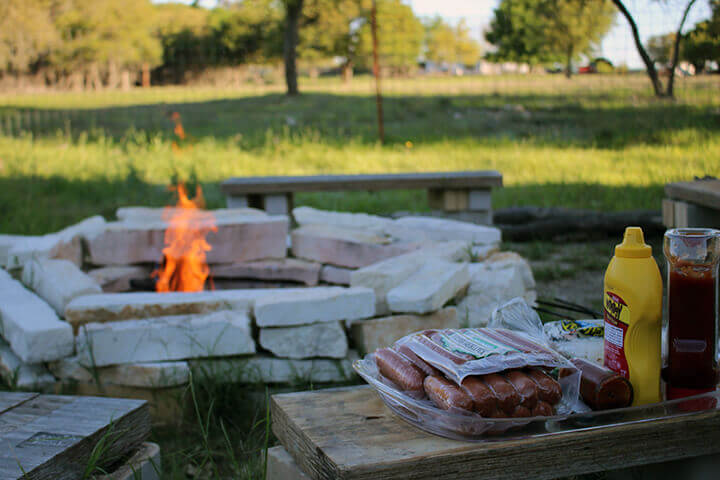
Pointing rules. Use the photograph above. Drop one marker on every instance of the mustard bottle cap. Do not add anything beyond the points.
(633, 244)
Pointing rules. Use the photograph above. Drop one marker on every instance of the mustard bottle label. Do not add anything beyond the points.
(617, 321)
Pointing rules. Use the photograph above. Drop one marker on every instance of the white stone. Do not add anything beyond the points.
(117, 279)
(281, 466)
(335, 275)
(154, 214)
(437, 229)
(237, 239)
(488, 290)
(369, 335)
(58, 282)
(20, 375)
(429, 288)
(271, 269)
(384, 276)
(265, 369)
(345, 247)
(480, 253)
(29, 324)
(165, 338)
(359, 221)
(144, 375)
(502, 260)
(321, 304)
(112, 307)
(66, 244)
(307, 341)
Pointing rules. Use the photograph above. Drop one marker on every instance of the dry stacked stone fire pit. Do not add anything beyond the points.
(288, 304)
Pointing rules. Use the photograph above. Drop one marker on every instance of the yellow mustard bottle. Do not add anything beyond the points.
(632, 305)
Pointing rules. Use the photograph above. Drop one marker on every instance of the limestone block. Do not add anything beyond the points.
(154, 214)
(20, 375)
(321, 304)
(29, 324)
(266, 369)
(344, 247)
(58, 282)
(369, 335)
(358, 221)
(437, 229)
(65, 244)
(117, 279)
(146, 375)
(488, 290)
(122, 243)
(384, 276)
(272, 269)
(335, 275)
(165, 338)
(307, 341)
(429, 288)
(281, 466)
(482, 252)
(113, 307)
(501, 260)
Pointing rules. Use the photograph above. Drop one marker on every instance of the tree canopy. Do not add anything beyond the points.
(446, 44)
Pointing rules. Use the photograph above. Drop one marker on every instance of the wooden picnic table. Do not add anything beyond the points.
(53, 436)
(692, 204)
(464, 194)
(348, 433)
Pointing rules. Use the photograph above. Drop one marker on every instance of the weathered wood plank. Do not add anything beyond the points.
(705, 193)
(10, 400)
(52, 436)
(350, 434)
(326, 183)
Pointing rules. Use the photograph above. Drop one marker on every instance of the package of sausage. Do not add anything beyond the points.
(471, 382)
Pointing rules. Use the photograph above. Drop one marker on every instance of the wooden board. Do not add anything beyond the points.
(327, 183)
(705, 193)
(348, 433)
(52, 436)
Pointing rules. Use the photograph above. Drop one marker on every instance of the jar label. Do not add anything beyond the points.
(617, 321)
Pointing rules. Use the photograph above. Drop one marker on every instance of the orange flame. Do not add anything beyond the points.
(184, 266)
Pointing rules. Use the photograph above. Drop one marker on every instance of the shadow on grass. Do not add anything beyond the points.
(591, 120)
(33, 205)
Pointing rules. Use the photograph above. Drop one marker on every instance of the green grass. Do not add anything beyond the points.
(599, 142)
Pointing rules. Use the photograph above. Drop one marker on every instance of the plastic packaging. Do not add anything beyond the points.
(474, 352)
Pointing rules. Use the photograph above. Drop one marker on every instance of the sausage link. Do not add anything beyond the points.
(427, 369)
(507, 397)
(543, 409)
(520, 411)
(446, 395)
(525, 387)
(484, 400)
(548, 388)
(399, 370)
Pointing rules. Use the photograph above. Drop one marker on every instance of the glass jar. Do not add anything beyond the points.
(692, 324)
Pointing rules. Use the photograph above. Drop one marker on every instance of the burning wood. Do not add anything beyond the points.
(184, 267)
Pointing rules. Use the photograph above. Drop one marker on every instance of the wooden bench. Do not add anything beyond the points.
(464, 195)
(692, 204)
(348, 433)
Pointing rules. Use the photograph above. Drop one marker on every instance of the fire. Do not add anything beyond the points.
(184, 267)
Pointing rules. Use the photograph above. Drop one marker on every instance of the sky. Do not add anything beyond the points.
(652, 16)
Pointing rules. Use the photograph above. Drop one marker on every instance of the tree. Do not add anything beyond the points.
(446, 44)
(660, 48)
(537, 31)
(400, 37)
(105, 34)
(574, 27)
(27, 34)
(293, 9)
(649, 64)
(702, 44)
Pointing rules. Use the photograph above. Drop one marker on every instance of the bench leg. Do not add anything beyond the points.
(237, 201)
(679, 214)
(465, 205)
(280, 204)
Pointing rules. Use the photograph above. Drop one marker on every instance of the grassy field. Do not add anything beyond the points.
(598, 142)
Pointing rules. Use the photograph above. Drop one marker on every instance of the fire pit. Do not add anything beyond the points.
(237, 295)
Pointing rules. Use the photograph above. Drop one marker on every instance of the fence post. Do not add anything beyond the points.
(376, 72)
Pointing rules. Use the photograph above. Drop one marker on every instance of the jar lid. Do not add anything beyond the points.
(633, 244)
